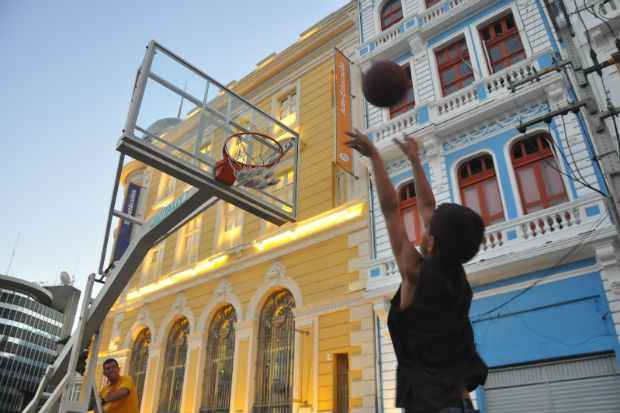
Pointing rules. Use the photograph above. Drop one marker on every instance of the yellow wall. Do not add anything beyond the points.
(319, 268)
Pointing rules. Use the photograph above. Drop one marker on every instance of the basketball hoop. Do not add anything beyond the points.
(249, 158)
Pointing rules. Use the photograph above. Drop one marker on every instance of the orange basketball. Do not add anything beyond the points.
(384, 84)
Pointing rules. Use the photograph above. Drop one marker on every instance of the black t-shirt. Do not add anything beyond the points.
(433, 340)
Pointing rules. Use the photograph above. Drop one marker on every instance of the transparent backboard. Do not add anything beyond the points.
(179, 120)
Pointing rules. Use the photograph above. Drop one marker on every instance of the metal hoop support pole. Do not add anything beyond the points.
(76, 349)
(106, 237)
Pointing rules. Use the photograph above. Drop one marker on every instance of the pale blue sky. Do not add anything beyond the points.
(66, 73)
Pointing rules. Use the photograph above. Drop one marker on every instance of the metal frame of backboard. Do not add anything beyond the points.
(205, 193)
(191, 167)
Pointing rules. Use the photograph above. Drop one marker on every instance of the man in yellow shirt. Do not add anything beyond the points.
(120, 395)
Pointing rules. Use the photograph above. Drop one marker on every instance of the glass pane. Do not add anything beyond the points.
(448, 75)
(513, 44)
(409, 219)
(492, 197)
(552, 178)
(471, 199)
(495, 53)
(529, 188)
(476, 166)
(531, 146)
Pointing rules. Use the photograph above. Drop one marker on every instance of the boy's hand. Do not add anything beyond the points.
(408, 146)
(361, 143)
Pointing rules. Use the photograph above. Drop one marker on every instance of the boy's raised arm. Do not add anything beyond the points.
(407, 257)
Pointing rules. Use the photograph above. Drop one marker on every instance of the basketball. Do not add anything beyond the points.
(384, 84)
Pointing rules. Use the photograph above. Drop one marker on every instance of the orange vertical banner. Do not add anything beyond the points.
(342, 87)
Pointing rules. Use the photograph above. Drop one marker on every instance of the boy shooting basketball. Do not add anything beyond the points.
(429, 316)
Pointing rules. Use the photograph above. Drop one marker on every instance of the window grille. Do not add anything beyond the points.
(174, 368)
(219, 363)
(341, 387)
(275, 351)
(538, 177)
(139, 360)
(479, 189)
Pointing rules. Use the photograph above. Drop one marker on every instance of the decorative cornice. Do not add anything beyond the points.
(493, 127)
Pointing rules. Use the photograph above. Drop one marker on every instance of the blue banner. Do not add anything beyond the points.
(130, 207)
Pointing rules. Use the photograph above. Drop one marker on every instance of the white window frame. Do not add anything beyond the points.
(188, 242)
(433, 61)
(483, 21)
(151, 269)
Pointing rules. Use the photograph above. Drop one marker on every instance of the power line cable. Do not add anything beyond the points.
(570, 151)
(593, 13)
(569, 175)
(570, 252)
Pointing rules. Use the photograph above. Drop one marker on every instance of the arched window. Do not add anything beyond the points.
(139, 359)
(219, 364)
(408, 101)
(538, 177)
(479, 189)
(409, 212)
(430, 3)
(174, 368)
(391, 13)
(274, 366)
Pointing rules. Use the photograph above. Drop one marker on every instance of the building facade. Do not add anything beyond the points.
(231, 313)
(30, 329)
(545, 310)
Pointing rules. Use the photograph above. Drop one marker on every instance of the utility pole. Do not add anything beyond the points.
(594, 117)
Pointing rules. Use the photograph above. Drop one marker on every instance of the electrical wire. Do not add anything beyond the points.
(570, 175)
(571, 153)
(570, 252)
(593, 13)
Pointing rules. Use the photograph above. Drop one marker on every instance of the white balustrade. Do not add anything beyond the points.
(455, 101)
(531, 232)
(438, 10)
(393, 128)
(500, 81)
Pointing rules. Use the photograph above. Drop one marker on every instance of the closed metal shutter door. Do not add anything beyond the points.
(588, 385)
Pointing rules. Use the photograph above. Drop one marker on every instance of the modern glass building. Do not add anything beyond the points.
(30, 328)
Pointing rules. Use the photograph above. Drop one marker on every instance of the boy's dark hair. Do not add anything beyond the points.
(458, 232)
(108, 361)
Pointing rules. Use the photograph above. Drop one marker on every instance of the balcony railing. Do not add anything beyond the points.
(496, 86)
(444, 8)
(430, 20)
(528, 233)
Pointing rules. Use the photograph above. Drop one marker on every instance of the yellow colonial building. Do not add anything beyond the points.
(232, 313)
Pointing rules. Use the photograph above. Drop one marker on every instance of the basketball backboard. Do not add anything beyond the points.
(179, 120)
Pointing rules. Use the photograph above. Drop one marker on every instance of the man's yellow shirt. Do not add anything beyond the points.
(127, 404)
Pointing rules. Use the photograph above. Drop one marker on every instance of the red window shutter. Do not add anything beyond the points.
(538, 178)
(391, 13)
(480, 190)
(502, 43)
(408, 101)
(409, 212)
(454, 67)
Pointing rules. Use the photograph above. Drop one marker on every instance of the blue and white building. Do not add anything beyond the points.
(546, 282)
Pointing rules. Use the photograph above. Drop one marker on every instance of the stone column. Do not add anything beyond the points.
(245, 366)
(151, 382)
(362, 363)
(607, 257)
(193, 375)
